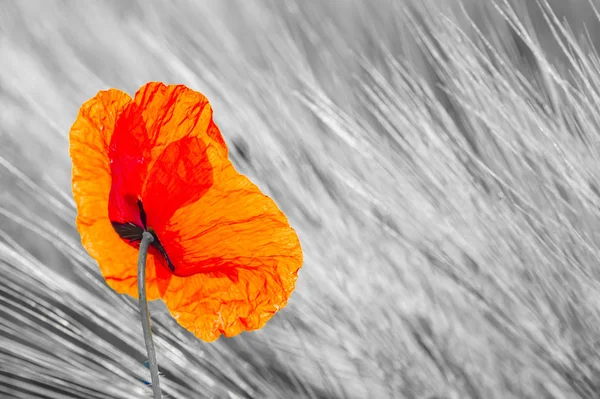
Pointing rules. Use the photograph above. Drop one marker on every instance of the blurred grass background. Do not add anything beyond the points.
(437, 158)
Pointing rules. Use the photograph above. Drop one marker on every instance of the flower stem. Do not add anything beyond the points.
(147, 239)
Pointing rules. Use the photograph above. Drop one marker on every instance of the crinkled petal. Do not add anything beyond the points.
(236, 257)
(174, 112)
(90, 139)
(211, 304)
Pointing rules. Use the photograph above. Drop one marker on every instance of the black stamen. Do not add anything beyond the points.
(142, 213)
(128, 231)
(133, 233)
(156, 244)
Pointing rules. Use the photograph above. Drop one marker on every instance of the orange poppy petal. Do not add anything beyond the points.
(209, 305)
(90, 138)
(173, 112)
(236, 258)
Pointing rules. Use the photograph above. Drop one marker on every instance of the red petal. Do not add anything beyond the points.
(180, 176)
(129, 155)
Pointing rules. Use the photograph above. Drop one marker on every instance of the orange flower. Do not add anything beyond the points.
(224, 258)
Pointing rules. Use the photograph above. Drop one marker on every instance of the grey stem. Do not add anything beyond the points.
(147, 239)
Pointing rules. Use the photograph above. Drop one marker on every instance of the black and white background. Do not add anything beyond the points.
(440, 160)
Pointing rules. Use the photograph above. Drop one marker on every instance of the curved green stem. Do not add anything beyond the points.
(147, 239)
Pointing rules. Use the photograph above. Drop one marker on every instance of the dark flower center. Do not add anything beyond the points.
(133, 233)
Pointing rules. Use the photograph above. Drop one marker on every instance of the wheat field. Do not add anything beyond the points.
(438, 159)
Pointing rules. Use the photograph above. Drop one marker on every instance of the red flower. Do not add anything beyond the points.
(224, 258)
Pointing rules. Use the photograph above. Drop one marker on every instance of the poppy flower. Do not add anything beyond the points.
(224, 258)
